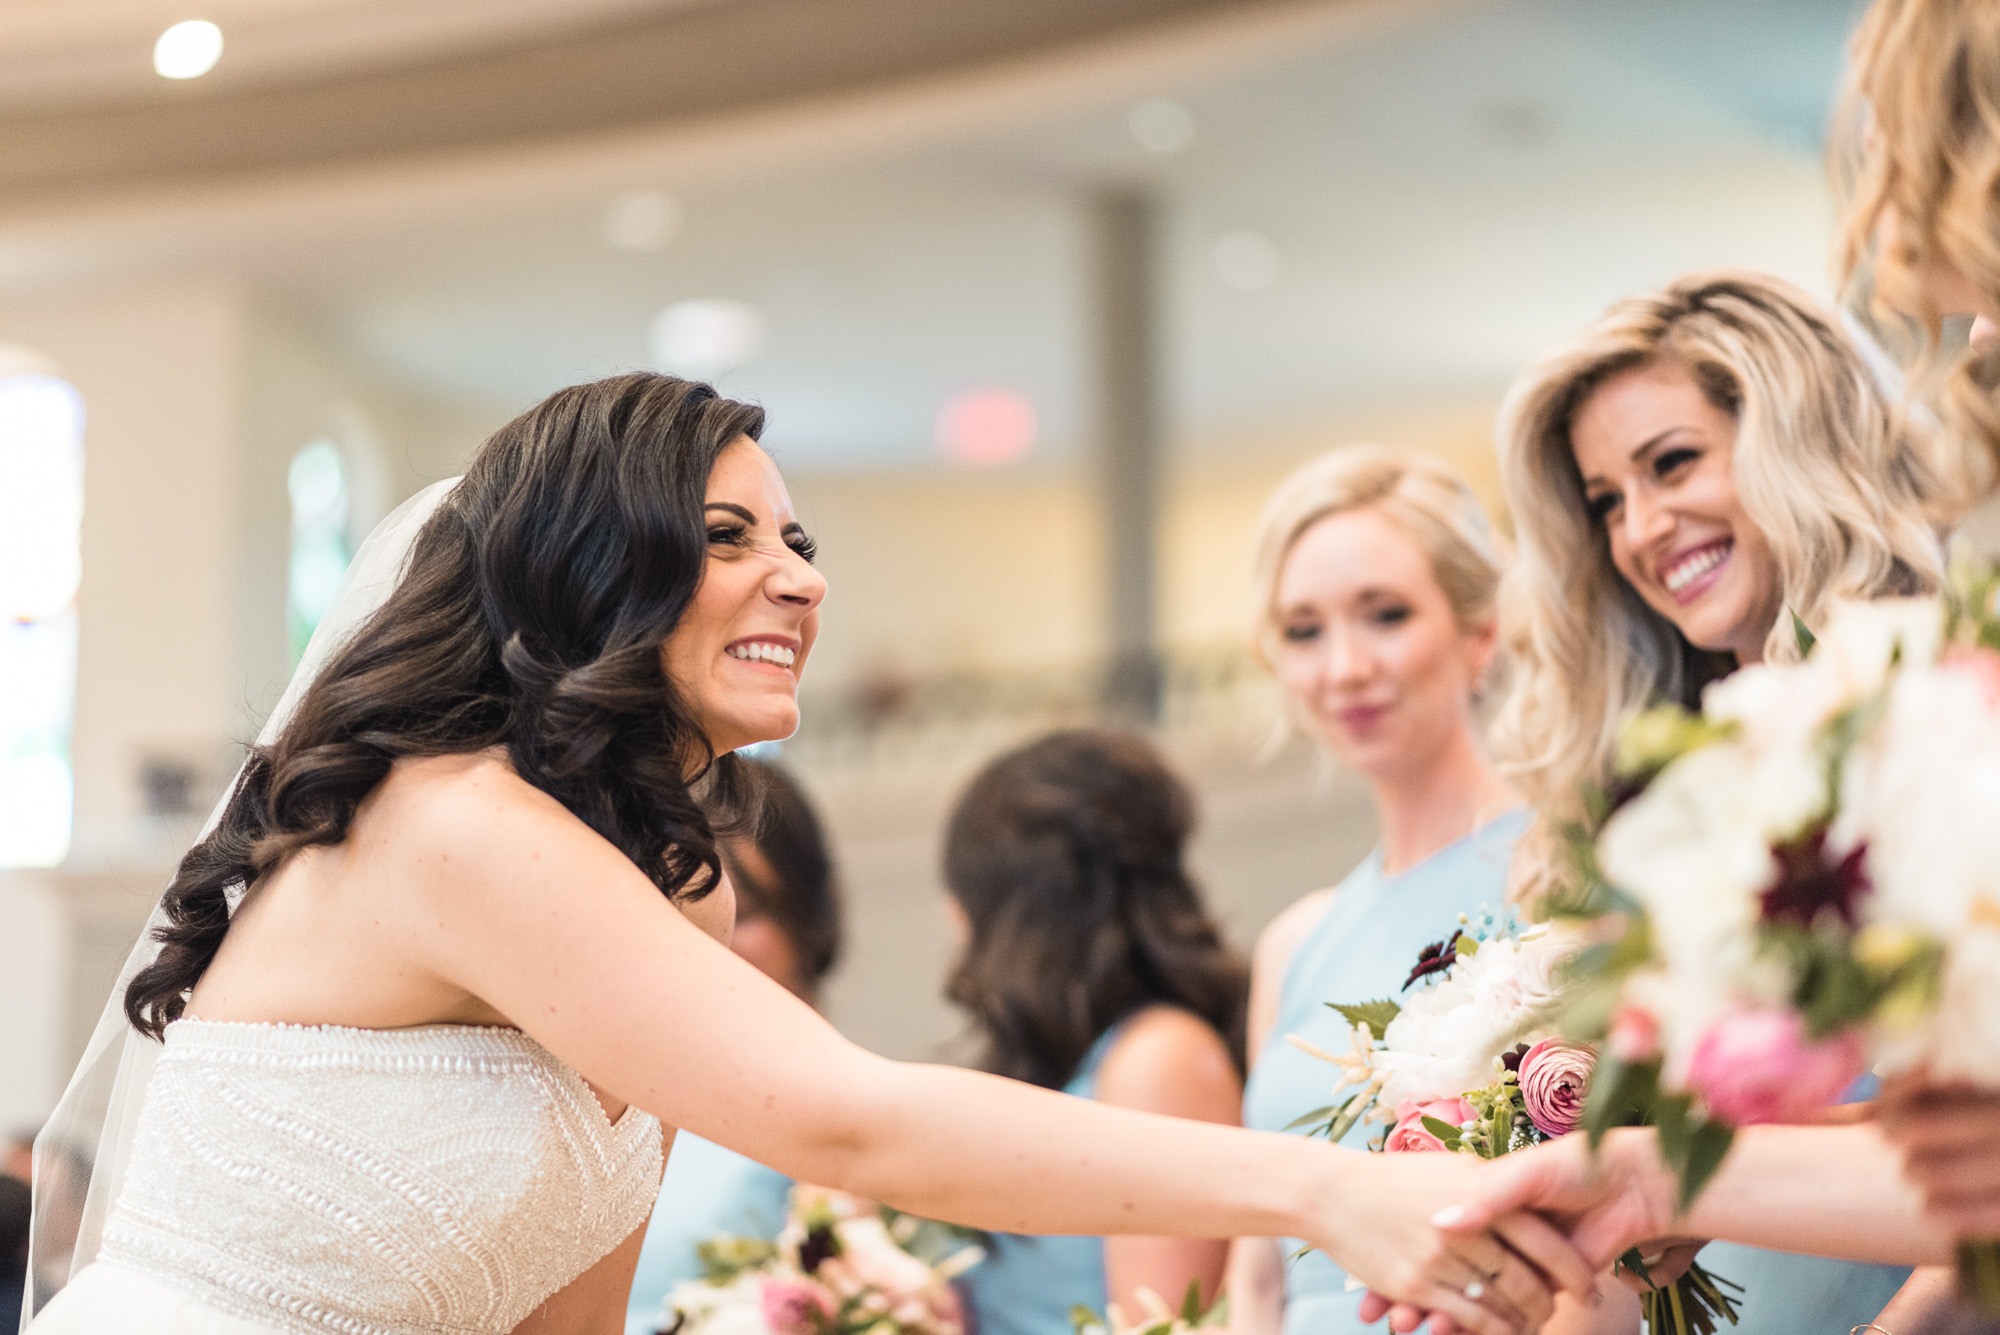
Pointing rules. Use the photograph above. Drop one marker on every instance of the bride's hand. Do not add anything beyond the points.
(1493, 1278)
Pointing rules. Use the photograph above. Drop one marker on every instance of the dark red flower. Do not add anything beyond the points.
(1434, 958)
(1810, 881)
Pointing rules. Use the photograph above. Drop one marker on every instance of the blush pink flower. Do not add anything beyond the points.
(1411, 1136)
(1983, 666)
(795, 1306)
(1759, 1066)
(1555, 1077)
(1635, 1035)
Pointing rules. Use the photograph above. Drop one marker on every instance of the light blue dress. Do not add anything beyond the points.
(707, 1192)
(1027, 1284)
(1361, 949)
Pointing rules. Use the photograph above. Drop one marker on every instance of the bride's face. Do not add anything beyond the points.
(741, 646)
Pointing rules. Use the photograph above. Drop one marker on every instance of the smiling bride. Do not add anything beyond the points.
(447, 960)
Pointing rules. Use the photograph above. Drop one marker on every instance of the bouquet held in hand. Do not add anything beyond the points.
(1803, 881)
(1472, 1060)
(840, 1266)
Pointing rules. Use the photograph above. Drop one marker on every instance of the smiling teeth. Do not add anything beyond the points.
(1694, 567)
(759, 651)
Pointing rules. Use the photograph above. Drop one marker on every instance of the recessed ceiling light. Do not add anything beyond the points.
(1247, 260)
(187, 50)
(640, 221)
(1161, 125)
(706, 337)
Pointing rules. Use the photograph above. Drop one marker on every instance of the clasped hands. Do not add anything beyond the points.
(1522, 1228)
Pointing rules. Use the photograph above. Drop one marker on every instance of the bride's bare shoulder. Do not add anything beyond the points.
(462, 803)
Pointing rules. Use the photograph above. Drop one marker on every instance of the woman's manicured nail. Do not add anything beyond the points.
(1452, 1216)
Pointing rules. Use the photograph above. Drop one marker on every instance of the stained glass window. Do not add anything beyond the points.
(41, 561)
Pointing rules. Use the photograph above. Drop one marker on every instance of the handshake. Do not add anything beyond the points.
(1514, 1232)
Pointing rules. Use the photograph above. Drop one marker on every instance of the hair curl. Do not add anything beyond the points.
(1066, 857)
(1920, 145)
(1839, 487)
(530, 617)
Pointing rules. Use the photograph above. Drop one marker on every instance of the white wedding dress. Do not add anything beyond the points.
(326, 1181)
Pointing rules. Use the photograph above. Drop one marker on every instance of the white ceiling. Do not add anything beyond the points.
(1448, 187)
(57, 53)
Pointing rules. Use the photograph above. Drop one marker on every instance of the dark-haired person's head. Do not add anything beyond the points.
(617, 596)
(787, 899)
(1066, 859)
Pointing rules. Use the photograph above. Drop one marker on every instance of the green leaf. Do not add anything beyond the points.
(1191, 1303)
(1375, 1014)
(1707, 1148)
(1444, 1131)
(1313, 1118)
(1082, 1319)
(1621, 1094)
(1804, 636)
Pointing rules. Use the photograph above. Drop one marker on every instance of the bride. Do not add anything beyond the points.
(448, 959)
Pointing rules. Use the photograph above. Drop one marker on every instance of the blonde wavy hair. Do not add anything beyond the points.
(1921, 142)
(1419, 492)
(1839, 486)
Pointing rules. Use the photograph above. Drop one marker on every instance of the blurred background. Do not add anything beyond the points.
(1043, 296)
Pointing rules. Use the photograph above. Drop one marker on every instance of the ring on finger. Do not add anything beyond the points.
(1477, 1288)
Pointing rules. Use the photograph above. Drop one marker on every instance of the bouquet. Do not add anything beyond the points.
(1158, 1318)
(1473, 1062)
(1801, 881)
(840, 1266)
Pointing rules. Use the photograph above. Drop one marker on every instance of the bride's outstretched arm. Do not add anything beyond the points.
(526, 909)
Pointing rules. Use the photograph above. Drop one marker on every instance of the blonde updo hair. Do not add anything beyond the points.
(1423, 495)
(1924, 92)
(1833, 479)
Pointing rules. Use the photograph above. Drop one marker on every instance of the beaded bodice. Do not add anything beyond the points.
(436, 1181)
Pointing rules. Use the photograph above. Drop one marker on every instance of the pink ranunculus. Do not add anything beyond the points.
(1635, 1035)
(795, 1306)
(1759, 1066)
(1411, 1136)
(1555, 1077)
(1983, 666)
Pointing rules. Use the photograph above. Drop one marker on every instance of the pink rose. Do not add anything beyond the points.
(1635, 1035)
(1555, 1076)
(1759, 1066)
(795, 1306)
(1411, 1136)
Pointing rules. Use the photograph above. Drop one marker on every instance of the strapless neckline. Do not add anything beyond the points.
(501, 1033)
(333, 1180)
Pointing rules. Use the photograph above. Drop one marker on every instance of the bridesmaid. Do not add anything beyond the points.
(1924, 223)
(788, 925)
(1376, 574)
(1699, 470)
(1089, 964)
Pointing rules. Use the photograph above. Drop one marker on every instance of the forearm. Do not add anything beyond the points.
(1834, 1191)
(1026, 1160)
(1255, 1282)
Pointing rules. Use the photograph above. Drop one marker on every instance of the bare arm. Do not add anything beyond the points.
(1256, 1283)
(1167, 1061)
(1834, 1191)
(524, 908)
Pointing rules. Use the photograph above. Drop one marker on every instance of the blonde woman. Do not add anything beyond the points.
(1699, 472)
(1376, 573)
(1924, 219)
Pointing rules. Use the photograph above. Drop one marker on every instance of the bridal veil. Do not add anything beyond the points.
(81, 1154)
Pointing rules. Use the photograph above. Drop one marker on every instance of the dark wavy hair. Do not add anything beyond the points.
(801, 895)
(1066, 856)
(530, 616)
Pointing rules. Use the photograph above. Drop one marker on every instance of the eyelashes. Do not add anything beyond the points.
(736, 535)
